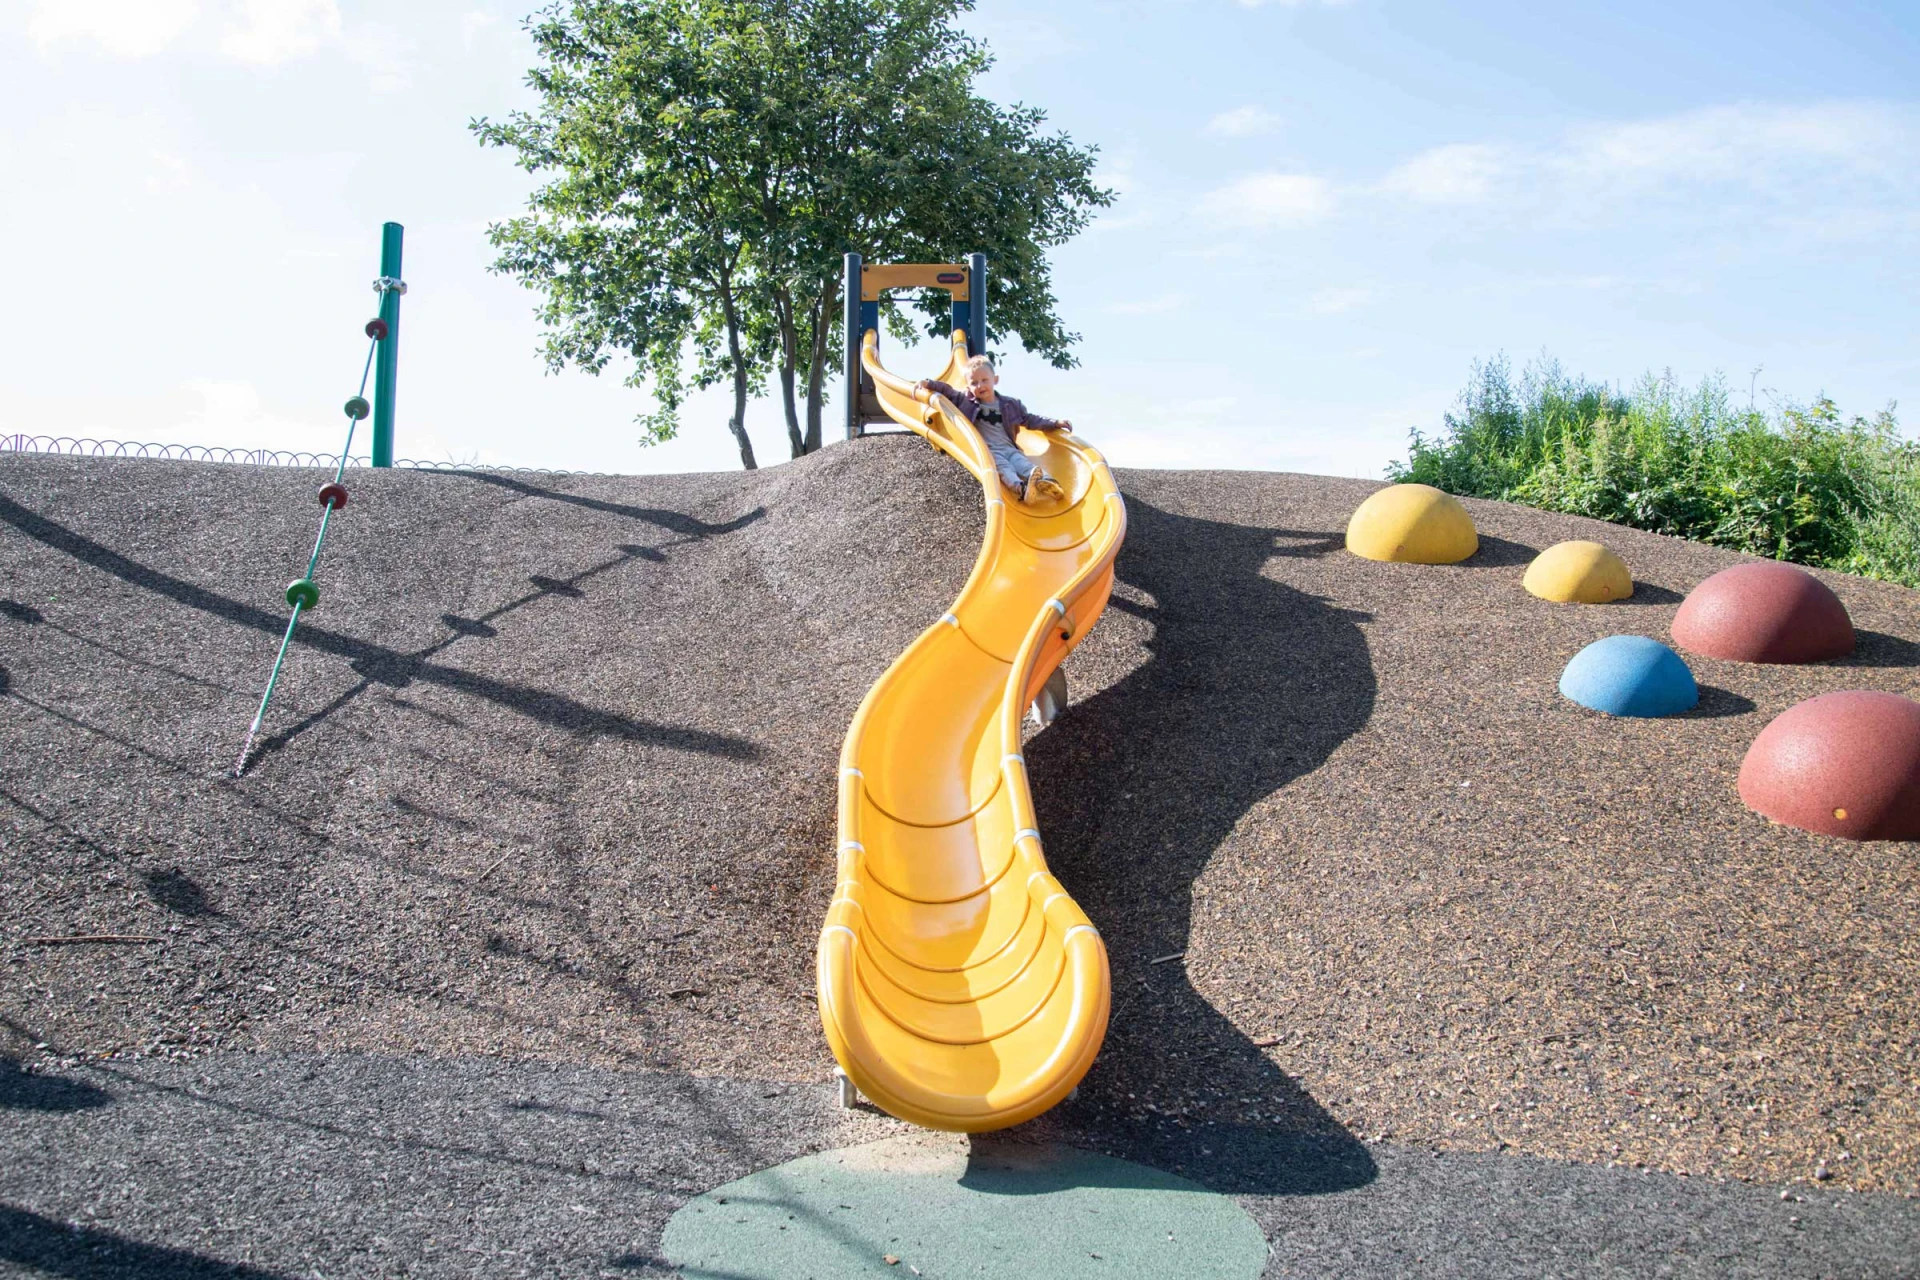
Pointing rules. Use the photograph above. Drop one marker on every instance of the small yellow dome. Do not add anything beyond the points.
(1412, 524)
(1579, 573)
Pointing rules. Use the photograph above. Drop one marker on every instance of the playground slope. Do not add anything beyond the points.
(552, 777)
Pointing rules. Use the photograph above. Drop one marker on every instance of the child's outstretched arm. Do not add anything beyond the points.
(1041, 422)
(940, 388)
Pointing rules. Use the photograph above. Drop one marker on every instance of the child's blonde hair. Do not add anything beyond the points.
(980, 362)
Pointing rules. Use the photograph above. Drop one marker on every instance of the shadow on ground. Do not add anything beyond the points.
(672, 521)
(1878, 649)
(179, 892)
(1648, 593)
(1499, 553)
(22, 1090)
(1136, 789)
(1716, 702)
(54, 1248)
(383, 665)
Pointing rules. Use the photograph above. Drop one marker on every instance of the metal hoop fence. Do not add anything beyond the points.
(87, 447)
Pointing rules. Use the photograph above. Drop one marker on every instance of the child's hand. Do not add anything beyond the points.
(1063, 425)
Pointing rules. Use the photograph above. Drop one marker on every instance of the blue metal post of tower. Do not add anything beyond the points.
(977, 304)
(852, 319)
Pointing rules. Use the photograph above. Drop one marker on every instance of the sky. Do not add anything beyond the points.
(1326, 213)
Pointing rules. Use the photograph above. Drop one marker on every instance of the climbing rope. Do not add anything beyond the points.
(303, 593)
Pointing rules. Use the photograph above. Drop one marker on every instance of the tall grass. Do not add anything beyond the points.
(1794, 482)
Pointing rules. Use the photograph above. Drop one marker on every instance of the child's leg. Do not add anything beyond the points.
(1014, 466)
(1014, 471)
(1017, 471)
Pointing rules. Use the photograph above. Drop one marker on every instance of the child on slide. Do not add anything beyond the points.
(997, 418)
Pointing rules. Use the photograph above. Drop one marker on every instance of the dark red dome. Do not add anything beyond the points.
(1843, 764)
(1764, 612)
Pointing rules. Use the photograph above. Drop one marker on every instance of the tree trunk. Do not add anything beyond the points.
(789, 355)
(795, 441)
(738, 423)
(817, 357)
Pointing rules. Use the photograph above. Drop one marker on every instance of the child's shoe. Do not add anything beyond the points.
(1042, 487)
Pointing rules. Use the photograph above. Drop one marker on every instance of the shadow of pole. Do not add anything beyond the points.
(1249, 685)
(458, 629)
(378, 663)
(50, 1247)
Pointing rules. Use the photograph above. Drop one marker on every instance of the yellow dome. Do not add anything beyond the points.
(1579, 573)
(1413, 524)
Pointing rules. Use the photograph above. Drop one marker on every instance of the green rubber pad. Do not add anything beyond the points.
(944, 1206)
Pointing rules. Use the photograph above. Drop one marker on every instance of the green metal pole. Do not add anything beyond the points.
(387, 370)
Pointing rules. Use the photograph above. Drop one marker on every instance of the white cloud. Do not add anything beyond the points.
(268, 32)
(1268, 200)
(384, 53)
(1462, 173)
(123, 28)
(256, 32)
(1133, 205)
(1858, 154)
(1243, 122)
(1745, 142)
(1150, 306)
(1117, 173)
(234, 415)
(1337, 438)
(472, 23)
(1328, 302)
(170, 171)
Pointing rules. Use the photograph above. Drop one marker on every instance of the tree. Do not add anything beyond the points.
(712, 160)
(655, 122)
(902, 160)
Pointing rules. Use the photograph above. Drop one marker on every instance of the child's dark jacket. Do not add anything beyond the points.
(1013, 414)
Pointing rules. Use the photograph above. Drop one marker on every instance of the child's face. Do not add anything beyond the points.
(981, 382)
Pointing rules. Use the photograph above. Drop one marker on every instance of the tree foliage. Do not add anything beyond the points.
(706, 163)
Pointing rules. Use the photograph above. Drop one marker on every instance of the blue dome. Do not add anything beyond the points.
(1630, 676)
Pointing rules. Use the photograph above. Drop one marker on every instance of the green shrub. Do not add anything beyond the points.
(1795, 483)
(1887, 537)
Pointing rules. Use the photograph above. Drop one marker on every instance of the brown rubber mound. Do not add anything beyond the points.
(1842, 764)
(550, 776)
(1764, 612)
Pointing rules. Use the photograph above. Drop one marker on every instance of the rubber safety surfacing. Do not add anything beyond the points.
(938, 1205)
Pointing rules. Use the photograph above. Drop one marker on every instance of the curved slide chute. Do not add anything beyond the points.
(960, 986)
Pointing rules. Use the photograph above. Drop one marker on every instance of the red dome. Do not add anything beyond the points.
(1764, 612)
(1842, 764)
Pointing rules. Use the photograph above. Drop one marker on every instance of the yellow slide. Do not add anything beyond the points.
(960, 986)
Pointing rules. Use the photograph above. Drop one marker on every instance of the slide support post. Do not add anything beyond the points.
(853, 345)
(387, 368)
(977, 304)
